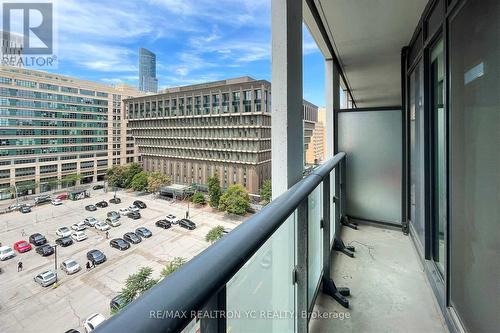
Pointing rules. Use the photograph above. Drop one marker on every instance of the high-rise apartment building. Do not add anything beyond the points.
(190, 133)
(315, 152)
(53, 125)
(147, 71)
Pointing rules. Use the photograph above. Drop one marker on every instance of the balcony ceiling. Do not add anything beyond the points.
(367, 36)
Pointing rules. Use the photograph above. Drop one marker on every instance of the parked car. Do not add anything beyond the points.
(101, 204)
(172, 219)
(134, 215)
(90, 221)
(70, 266)
(56, 202)
(117, 303)
(15, 206)
(22, 246)
(93, 321)
(143, 232)
(42, 199)
(124, 211)
(132, 238)
(37, 239)
(113, 222)
(120, 244)
(115, 200)
(46, 278)
(163, 224)
(45, 250)
(79, 226)
(64, 241)
(112, 214)
(25, 209)
(63, 232)
(62, 196)
(98, 187)
(133, 208)
(187, 224)
(6, 252)
(102, 226)
(140, 204)
(96, 257)
(79, 236)
(91, 208)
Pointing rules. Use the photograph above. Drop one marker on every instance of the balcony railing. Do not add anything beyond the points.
(263, 276)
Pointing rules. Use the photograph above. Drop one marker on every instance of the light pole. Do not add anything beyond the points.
(55, 260)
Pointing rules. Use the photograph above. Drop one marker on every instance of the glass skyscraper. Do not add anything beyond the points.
(147, 71)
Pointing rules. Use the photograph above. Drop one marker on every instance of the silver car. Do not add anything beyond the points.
(70, 266)
(90, 221)
(46, 278)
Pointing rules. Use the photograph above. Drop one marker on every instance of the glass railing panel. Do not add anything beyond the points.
(261, 295)
(333, 205)
(314, 244)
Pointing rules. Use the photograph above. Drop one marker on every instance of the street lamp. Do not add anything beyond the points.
(55, 260)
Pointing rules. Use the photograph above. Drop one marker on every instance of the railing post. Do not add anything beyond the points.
(327, 202)
(301, 270)
(214, 313)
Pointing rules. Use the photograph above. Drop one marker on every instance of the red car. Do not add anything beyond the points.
(62, 196)
(22, 246)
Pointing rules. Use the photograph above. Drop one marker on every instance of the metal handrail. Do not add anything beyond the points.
(190, 287)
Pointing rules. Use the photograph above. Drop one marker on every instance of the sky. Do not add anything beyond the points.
(194, 40)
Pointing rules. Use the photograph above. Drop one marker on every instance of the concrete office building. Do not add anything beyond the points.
(147, 71)
(52, 126)
(315, 152)
(190, 133)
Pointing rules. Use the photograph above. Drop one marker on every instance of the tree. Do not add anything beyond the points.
(140, 181)
(156, 180)
(266, 191)
(214, 234)
(116, 176)
(198, 198)
(214, 190)
(172, 266)
(71, 179)
(131, 170)
(137, 284)
(235, 200)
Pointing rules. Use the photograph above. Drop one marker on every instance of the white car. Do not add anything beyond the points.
(124, 211)
(79, 226)
(63, 232)
(78, 236)
(57, 202)
(90, 221)
(103, 226)
(113, 222)
(172, 219)
(45, 278)
(133, 208)
(6, 252)
(70, 266)
(93, 321)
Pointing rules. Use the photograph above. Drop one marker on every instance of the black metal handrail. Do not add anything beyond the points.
(195, 283)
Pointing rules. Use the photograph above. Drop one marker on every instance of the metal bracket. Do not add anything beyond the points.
(344, 220)
(295, 275)
(321, 224)
(338, 294)
(335, 199)
(338, 245)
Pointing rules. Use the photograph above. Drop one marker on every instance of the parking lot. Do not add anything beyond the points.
(25, 306)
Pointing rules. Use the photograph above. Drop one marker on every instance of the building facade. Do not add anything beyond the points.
(147, 71)
(52, 126)
(315, 152)
(190, 133)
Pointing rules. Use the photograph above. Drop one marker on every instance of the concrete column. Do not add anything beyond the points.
(287, 137)
(332, 99)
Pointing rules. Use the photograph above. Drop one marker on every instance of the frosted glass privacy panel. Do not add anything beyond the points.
(373, 143)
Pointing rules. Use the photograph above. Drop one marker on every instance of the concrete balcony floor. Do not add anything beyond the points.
(389, 290)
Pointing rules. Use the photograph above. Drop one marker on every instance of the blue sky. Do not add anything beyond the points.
(194, 40)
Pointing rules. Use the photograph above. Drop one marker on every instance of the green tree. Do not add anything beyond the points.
(140, 181)
(266, 191)
(172, 266)
(235, 200)
(198, 198)
(71, 179)
(214, 234)
(214, 190)
(156, 180)
(137, 284)
(131, 170)
(116, 176)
